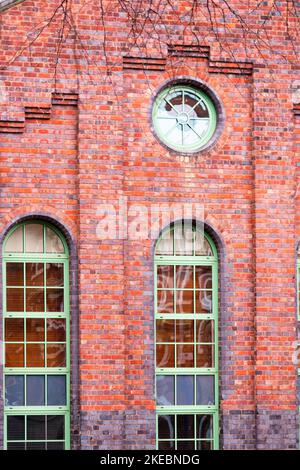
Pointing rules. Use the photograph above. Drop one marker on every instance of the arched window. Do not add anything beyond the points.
(36, 338)
(186, 316)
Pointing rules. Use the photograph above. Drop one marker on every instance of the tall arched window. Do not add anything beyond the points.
(186, 316)
(36, 338)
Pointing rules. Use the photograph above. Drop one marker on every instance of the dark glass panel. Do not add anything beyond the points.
(165, 331)
(165, 277)
(166, 427)
(185, 445)
(56, 329)
(185, 301)
(185, 331)
(35, 329)
(185, 390)
(165, 390)
(14, 390)
(15, 428)
(204, 445)
(55, 300)
(36, 427)
(35, 390)
(165, 355)
(56, 355)
(55, 427)
(204, 330)
(185, 355)
(14, 355)
(56, 390)
(165, 301)
(55, 445)
(205, 390)
(35, 446)
(203, 277)
(166, 445)
(14, 274)
(55, 274)
(35, 300)
(34, 274)
(204, 355)
(185, 426)
(35, 355)
(204, 426)
(16, 446)
(14, 329)
(15, 300)
(203, 302)
(185, 277)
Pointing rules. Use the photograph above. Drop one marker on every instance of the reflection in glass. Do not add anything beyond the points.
(14, 329)
(35, 329)
(35, 300)
(166, 445)
(34, 242)
(183, 238)
(56, 329)
(185, 277)
(185, 331)
(204, 330)
(185, 390)
(56, 390)
(55, 427)
(55, 300)
(14, 390)
(15, 300)
(204, 355)
(165, 244)
(185, 445)
(34, 274)
(165, 277)
(36, 427)
(166, 428)
(185, 301)
(165, 390)
(35, 355)
(165, 355)
(204, 426)
(35, 390)
(205, 390)
(14, 274)
(53, 242)
(203, 301)
(15, 242)
(203, 276)
(55, 274)
(165, 301)
(56, 355)
(204, 445)
(202, 247)
(185, 426)
(165, 331)
(14, 355)
(185, 355)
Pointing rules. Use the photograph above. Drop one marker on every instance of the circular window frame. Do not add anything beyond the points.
(211, 100)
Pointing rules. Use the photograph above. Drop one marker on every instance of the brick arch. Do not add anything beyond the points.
(68, 229)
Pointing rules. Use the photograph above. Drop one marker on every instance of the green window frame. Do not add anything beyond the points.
(186, 337)
(36, 346)
(184, 118)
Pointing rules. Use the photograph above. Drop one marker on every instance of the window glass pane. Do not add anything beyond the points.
(55, 427)
(34, 274)
(185, 426)
(165, 244)
(14, 390)
(166, 429)
(55, 445)
(34, 242)
(14, 355)
(203, 277)
(165, 301)
(15, 428)
(35, 300)
(165, 355)
(204, 331)
(202, 247)
(55, 300)
(56, 355)
(165, 277)
(35, 355)
(205, 389)
(165, 331)
(35, 446)
(185, 355)
(203, 302)
(15, 300)
(185, 277)
(16, 446)
(183, 238)
(56, 329)
(166, 445)
(35, 390)
(53, 242)
(185, 445)
(204, 356)
(56, 390)
(14, 329)
(204, 426)
(35, 329)
(14, 274)
(15, 242)
(165, 390)
(185, 301)
(185, 390)
(36, 427)
(204, 445)
(55, 274)
(185, 331)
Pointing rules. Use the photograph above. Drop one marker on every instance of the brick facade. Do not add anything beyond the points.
(78, 136)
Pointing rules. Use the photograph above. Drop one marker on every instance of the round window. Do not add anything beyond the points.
(184, 118)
